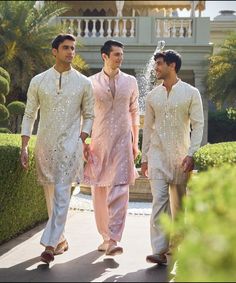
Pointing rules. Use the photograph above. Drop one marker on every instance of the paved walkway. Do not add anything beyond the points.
(19, 258)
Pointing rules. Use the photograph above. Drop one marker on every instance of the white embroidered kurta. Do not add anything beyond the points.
(166, 133)
(62, 99)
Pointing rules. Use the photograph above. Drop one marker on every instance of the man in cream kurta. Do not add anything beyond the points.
(63, 96)
(167, 151)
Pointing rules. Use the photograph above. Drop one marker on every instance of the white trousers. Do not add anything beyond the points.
(167, 199)
(110, 209)
(58, 200)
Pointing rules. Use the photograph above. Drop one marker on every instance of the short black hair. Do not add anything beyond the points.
(61, 38)
(170, 56)
(107, 46)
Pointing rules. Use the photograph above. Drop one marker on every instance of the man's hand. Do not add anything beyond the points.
(188, 164)
(135, 151)
(24, 158)
(144, 169)
(86, 151)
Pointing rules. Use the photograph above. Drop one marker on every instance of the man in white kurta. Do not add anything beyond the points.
(63, 96)
(167, 151)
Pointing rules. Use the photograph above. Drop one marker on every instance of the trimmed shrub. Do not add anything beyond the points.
(22, 202)
(215, 155)
(207, 252)
(5, 74)
(2, 99)
(4, 86)
(4, 113)
(16, 108)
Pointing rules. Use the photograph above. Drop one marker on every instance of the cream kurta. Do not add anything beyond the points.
(62, 100)
(166, 135)
(111, 161)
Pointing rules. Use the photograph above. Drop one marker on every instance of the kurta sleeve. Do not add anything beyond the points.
(87, 108)
(197, 122)
(31, 109)
(134, 105)
(149, 119)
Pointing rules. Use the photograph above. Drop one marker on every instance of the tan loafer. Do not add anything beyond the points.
(113, 250)
(61, 248)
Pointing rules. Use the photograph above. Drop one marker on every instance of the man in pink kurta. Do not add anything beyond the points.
(114, 146)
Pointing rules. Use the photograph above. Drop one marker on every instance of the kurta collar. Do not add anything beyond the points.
(176, 85)
(63, 73)
(106, 77)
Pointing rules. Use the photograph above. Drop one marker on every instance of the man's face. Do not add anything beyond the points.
(114, 60)
(65, 52)
(162, 69)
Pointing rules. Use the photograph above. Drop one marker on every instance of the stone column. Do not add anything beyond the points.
(199, 76)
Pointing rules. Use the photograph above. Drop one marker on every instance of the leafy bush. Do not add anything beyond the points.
(5, 130)
(2, 99)
(207, 252)
(4, 113)
(22, 202)
(4, 86)
(215, 155)
(222, 126)
(5, 74)
(16, 108)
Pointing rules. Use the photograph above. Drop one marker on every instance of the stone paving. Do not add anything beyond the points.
(20, 262)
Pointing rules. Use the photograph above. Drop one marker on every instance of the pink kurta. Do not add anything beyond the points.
(111, 159)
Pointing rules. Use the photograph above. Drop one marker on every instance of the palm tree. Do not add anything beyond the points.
(25, 37)
(221, 78)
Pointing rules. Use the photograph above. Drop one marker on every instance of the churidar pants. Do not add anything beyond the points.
(110, 209)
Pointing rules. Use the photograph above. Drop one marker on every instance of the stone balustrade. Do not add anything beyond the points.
(127, 27)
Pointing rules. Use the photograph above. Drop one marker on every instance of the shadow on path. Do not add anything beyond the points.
(156, 273)
(81, 269)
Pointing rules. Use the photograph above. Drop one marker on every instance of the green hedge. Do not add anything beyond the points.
(214, 155)
(22, 202)
(207, 253)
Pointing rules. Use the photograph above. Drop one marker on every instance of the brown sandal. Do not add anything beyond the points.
(47, 256)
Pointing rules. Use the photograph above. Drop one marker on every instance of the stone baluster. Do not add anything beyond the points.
(124, 30)
(116, 30)
(189, 32)
(181, 31)
(79, 28)
(109, 28)
(132, 28)
(86, 29)
(101, 31)
(94, 28)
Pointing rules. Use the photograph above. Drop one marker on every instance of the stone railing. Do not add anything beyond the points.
(99, 27)
(174, 28)
(127, 27)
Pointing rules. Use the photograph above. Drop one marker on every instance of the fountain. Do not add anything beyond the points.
(147, 79)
